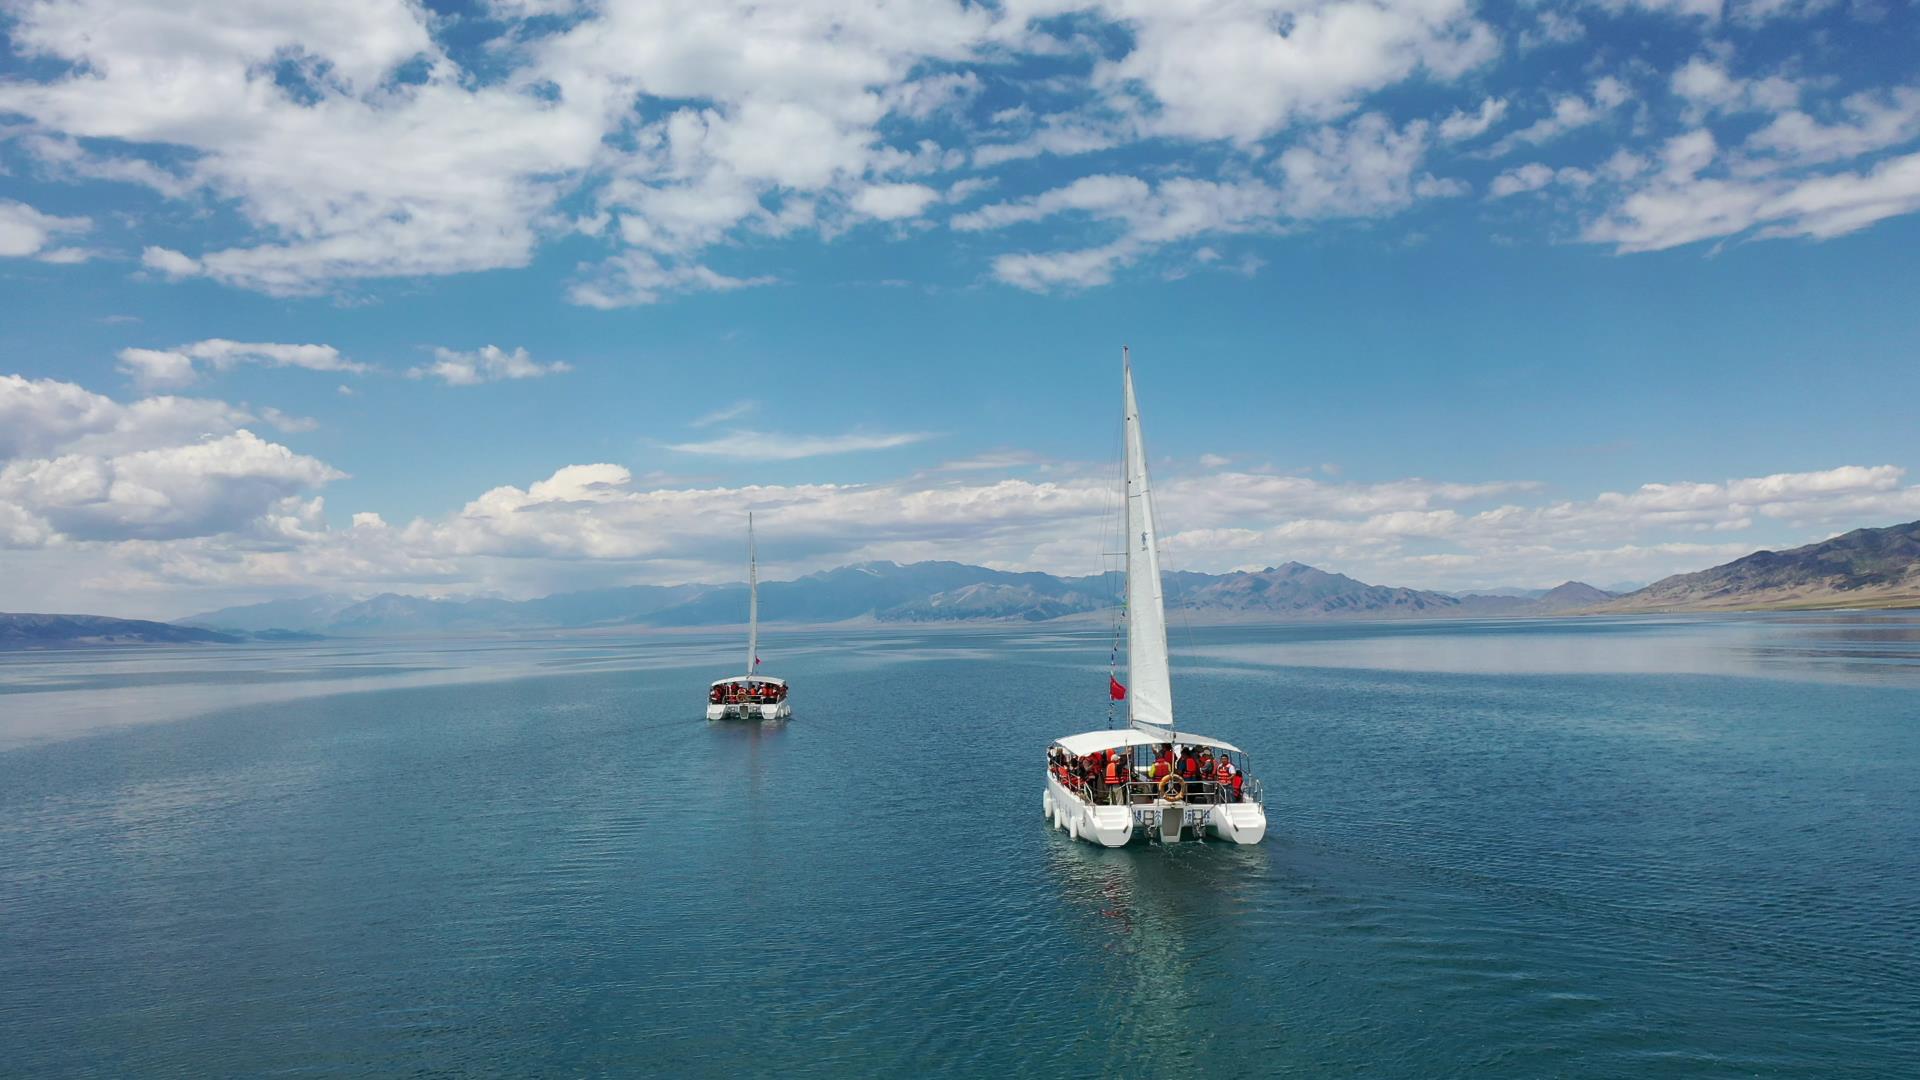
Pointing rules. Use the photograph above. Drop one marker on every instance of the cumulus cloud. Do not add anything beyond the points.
(1368, 168)
(214, 486)
(1415, 532)
(177, 495)
(1534, 176)
(892, 202)
(25, 231)
(77, 466)
(684, 125)
(1246, 71)
(679, 142)
(490, 363)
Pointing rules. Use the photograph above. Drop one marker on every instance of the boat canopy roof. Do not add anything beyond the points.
(1115, 738)
(751, 679)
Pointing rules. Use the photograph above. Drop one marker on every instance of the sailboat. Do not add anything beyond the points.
(1148, 781)
(752, 696)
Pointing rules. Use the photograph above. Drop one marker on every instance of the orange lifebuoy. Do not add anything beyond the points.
(1173, 787)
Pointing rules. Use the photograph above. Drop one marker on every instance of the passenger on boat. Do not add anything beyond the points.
(1162, 763)
(1205, 763)
(1116, 777)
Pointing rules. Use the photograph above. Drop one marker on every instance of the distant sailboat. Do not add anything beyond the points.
(1148, 780)
(752, 696)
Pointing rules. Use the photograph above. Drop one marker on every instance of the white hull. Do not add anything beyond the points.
(778, 711)
(1115, 826)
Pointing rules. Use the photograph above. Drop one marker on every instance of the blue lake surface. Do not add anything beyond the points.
(1629, 848)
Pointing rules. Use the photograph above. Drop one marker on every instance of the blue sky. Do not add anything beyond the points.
(534, 295)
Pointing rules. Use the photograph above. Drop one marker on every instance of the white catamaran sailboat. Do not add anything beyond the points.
(752, 696)
(1147, 780)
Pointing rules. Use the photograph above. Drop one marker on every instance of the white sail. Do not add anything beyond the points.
(1150, 693)
(753, 601)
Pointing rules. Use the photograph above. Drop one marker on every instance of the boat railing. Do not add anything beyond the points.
(1140, 792)
(1143, 792)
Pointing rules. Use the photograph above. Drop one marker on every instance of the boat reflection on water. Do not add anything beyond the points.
(1158, 927)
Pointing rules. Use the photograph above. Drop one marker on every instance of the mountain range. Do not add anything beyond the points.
(886, 592)
(32, 631)
(1866, 568)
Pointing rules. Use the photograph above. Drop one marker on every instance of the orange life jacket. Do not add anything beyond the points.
(1113, 770)
(1223, 771)
(1189, 767)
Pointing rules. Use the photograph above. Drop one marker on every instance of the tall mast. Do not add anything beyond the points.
(753, 601)
(1150, 698)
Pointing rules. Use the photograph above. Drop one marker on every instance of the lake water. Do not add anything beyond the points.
(1634, 848)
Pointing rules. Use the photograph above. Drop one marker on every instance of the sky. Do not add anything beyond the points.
(523, 296)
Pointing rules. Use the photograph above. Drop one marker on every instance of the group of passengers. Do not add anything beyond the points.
(747, 693)
(1104, 775)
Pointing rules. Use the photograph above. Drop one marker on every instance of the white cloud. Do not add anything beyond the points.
(753, 445)
(1244, 71)
(679, 138)
(1046, 271)
(1060, 135)
(1148, 218)
(1678, 205)
(1704, 9)
(219, 485)
(25, 231)
(45, 417)
(1708, 87)
(76, 466)
(724, 413)
(68, 160)
(181, 365)
(638, 278)
(1535, 177)
(1461, 125)
(489, 363)
(893, 202)
(157, 367)
(1101, 196)
(1870, 121)
(1568, 113)
(172, 497)
(1366, 169)
(169, 262)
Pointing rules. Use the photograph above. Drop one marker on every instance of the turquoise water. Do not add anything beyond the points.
(1637, 848)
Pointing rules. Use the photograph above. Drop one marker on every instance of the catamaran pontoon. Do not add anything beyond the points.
(1098, 787)
(752, 696)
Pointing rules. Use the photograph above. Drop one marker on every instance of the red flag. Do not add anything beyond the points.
(1113, 687)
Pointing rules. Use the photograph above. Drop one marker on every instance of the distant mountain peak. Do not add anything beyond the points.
(1862, 568)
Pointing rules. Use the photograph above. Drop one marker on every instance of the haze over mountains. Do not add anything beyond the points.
(1866, 568)
(26, 631)
(926, 592)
